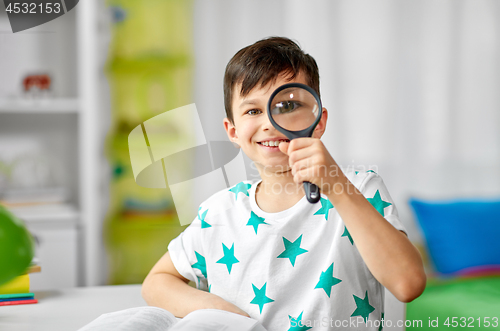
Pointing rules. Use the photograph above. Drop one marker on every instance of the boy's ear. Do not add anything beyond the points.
(321, 127)
(231, 131)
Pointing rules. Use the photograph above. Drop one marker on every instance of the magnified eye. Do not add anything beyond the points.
(288, 106)
(285, 107)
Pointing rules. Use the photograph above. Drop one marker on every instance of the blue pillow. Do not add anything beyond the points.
(462, 236)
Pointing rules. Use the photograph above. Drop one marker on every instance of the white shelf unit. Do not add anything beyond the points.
(59, 105)
(89, 149)
(62, 128)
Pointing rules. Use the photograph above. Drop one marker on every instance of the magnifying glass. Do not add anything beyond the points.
(294, 109)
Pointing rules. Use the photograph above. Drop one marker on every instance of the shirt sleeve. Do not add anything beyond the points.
(188, 255)
(375, 191)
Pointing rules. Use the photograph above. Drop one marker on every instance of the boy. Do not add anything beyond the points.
(261, 249)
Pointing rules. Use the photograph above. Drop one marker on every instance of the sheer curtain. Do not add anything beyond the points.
(411, 86)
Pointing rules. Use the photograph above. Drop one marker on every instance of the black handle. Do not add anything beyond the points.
(312, 192)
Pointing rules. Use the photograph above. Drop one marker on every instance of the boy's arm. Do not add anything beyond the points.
(387, 252)
(166, 288)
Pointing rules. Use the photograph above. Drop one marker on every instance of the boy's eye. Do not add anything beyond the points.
(253, 112)
(284, 107)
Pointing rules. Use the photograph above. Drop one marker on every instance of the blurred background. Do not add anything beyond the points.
(411, 88)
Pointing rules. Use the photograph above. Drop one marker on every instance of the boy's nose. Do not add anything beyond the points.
(267, 125)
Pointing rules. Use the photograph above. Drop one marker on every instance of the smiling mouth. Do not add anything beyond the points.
(272, 143)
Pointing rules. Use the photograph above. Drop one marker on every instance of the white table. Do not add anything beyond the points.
(69, 309)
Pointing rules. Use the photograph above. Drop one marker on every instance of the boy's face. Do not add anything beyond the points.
(252, 130)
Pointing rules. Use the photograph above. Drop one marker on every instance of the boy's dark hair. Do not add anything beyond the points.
(262, 62)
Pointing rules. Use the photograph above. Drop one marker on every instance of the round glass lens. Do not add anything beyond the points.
(294, 109)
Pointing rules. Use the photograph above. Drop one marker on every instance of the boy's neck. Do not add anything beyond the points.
(278, 192)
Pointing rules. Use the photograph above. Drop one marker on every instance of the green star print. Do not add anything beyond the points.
(240, 187)
(378, 203)
(326, 205)
(348, 235)
(260, 297)
(204, 224)
(292, 250)
(201, 264)
(327, 281)
(363, 307)
(296, 324)
(255, 221)
(228, 259)
(382, 321)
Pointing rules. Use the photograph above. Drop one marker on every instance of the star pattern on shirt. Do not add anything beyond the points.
(327, 281)
(260, 296)
(228, 259)
(255, 221)
(382, 322)
(378, 203)
(200, 264)
(204, 224)
(326, 205)
(347, 234)
(296, 324)
(240, 187)
(363, 307)
(371, 171)
(292, 250)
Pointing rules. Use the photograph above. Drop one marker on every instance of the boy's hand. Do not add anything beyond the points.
(310, 161)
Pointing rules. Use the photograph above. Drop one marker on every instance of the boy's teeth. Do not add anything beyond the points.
(272, 143)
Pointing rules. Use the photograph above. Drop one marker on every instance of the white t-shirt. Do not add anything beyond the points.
(295, 269)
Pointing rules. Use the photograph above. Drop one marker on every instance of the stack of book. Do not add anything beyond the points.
(17, 291)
